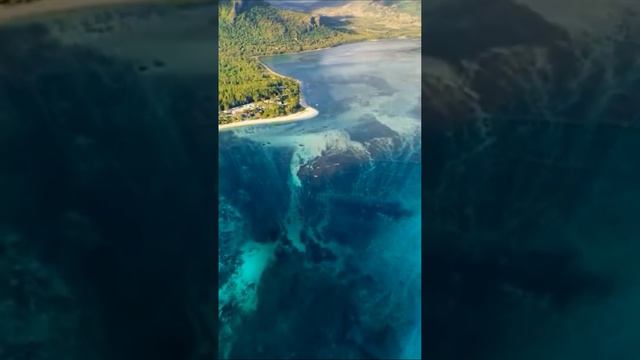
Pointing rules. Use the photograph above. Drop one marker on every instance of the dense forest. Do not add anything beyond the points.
(248, 30)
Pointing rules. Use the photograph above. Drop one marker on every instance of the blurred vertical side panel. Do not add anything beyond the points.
(531, 119)
(107, 179)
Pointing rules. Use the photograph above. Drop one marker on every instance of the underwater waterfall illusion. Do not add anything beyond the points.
(320, 219)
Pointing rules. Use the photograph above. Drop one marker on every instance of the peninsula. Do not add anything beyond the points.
(250, 93)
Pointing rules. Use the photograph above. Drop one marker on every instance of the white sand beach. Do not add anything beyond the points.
(305, 114)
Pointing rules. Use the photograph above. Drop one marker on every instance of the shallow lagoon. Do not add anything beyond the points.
(320, 219)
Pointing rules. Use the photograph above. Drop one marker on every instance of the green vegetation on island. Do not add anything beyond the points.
(250, 29)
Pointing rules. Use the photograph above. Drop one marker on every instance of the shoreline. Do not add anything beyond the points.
(308, 113)
(349, 42)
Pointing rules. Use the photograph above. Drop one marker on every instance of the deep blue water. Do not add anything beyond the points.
(320, 219)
